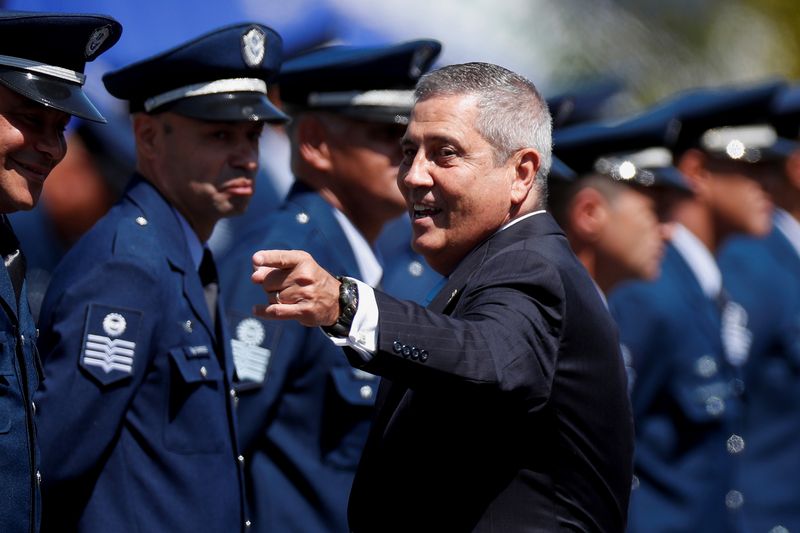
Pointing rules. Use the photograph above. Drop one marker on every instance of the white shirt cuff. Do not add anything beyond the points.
(363, 336)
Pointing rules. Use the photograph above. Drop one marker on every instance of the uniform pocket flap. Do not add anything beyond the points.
(194, 368)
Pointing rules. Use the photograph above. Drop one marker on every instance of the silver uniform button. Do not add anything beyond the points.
(302, 218)
(203, 371)
(22, 338)
(735, 444)
(187, 326)
(240, 459)
(415, 268)
(715, 405)
(706, 366)
(141, 221)
(734, 499)
(366, 392)
(778, 529)
(38, 477)
(247, 523)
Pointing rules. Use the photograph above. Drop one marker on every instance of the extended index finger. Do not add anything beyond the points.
(281, 259)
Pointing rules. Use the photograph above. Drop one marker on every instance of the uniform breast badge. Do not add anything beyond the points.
(109, 345)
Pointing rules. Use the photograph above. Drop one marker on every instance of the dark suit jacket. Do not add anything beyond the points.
(507, 408)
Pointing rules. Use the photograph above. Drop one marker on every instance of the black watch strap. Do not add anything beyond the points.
(348, 305)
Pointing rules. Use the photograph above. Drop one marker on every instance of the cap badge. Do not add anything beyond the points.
(97, 39)
(253, 47)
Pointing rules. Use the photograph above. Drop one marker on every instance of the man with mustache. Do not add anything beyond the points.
(42, 59)
(137, 414)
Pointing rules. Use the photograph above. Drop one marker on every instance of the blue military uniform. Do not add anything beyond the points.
(764, 276)
(685, 403)
(42, 57)
(304, 413)
(406, 274)
(135, 412)
(687, 340)
(137, 407)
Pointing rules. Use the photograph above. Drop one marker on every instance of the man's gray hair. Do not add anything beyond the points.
(511, 113)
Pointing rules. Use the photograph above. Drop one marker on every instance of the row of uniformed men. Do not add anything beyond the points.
(137, 400)
(710, 329)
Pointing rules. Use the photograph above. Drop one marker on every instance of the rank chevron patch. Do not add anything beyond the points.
(108, 353)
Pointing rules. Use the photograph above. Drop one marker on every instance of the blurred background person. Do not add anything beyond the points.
(607, 210)
(763, 275)
(42, 61)
(686, 339)
(303, 411)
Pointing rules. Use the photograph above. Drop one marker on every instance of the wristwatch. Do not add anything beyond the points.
(348, 305)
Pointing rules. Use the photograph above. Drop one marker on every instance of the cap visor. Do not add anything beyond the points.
(62, 95)
(228, 107)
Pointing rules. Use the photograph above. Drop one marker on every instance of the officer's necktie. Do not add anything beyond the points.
(208, 277)
(12, 256)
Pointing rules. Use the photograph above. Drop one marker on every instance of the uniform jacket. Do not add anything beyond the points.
(19, 377)
(136, 415)
(764, 276)
(303, 411)
(503, 406)
(684, 402)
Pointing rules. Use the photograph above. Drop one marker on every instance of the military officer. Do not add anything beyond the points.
(763, 274)
(42, 59)
(686, 338)
(137, 411)
(303, 411)
(608, 211)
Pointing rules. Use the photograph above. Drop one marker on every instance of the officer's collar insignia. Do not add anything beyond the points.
(109, 343)
(96, 40)
(254, 47)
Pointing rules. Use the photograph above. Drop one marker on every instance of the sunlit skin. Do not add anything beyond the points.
(616, 238)
(457, 194)
(358, 164)
(205, 169)
(728, 198)
(31, 144)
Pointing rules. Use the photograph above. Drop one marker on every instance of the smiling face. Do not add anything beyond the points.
(205, 169)
(31, 144)
(456, 193)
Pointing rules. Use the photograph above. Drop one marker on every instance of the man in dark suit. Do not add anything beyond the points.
(503, 404)
(137, 412)
(42, 59)
(303, 411)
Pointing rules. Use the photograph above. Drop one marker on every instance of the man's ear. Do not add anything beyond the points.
(693, 165)
(312, 142)
(526, 165)
(147, 129)
(588, 214)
